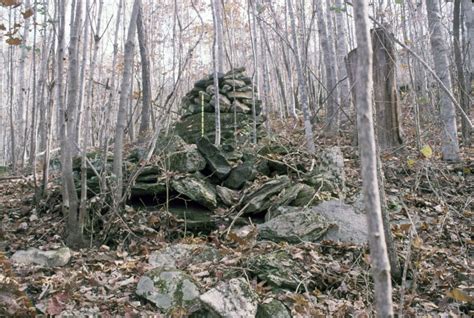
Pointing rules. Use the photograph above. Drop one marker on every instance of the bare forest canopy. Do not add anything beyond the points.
(301, 144)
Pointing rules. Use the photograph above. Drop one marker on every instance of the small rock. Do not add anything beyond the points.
(227, 196)
(277, 268)
(168, 289)
(273, 309)
(180, 255)
(232, 299)
(33, 255)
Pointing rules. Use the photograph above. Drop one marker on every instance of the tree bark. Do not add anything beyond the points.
(387, 109)
(461, 81)
(378, 250)
(75, 221)
(124, 100)
(329, 57)
(302, 85)
(450, 146)
(146, 79)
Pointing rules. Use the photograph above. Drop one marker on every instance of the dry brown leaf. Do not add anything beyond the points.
(10, 3)
(28, 13)
(13, 41)
(459, 295)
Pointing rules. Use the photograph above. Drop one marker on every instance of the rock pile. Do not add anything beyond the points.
(236, 99)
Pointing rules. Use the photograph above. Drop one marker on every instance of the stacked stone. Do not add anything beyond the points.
(235, 103)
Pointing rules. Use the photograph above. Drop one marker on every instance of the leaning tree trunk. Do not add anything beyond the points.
(450, 146)
(124, 100)
(302, 84)
(387, 109)
(378, 250)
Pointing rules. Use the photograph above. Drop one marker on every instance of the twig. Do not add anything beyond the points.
(236, 217)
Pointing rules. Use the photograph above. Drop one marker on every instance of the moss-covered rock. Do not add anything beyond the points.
(196, 188)
(272, 309)
(169, 289)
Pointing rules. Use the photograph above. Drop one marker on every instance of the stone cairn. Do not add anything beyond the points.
(235, 102)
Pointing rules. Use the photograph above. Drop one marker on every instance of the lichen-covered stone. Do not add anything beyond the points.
(294, 227)
(197, 189)
(168, 289)
(54, 258)
(187, 159)
(216, 161)
(232, 299)
(180, 255)
(260, 200)
(273, 309)
(277, 268)
(239, 176)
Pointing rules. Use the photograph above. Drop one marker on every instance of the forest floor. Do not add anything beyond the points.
(431, 208)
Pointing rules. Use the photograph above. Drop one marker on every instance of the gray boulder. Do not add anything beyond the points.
(330, 220)
(215, 159)
(232, 299)
(197, 189)
(33, 255)
(168, 289)
(239, 176)
(294, 227)
(260, 200)
(187, 159)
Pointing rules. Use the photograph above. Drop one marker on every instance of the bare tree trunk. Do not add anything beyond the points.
(378, 250)
(216, 63)
(450, 146)
(329, 56)
(20, 118)
(387, 109)
(461, 82)
(342, 50)
(146, 83)
(124, 100)
(302, 85)
(75, 220)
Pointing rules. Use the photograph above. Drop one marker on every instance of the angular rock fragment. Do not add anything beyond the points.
(232, 299)
(168, 289)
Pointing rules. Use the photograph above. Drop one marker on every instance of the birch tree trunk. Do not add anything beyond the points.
(450, 146)
(20, 117)
(123, 102)
(146, 82)
(216, 63)
(378, 250)
(302, 85)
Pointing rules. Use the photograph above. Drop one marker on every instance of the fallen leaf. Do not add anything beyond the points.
(459, 295)
(426, 151)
